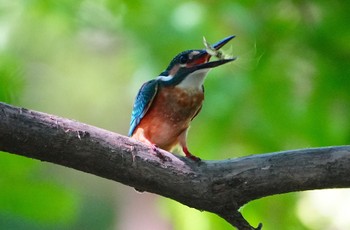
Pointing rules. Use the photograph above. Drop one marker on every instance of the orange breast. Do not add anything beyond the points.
(169, 115)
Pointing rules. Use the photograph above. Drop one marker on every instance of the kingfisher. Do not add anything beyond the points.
(165, 106)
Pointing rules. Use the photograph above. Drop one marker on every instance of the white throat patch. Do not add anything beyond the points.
(194, 80)
(165, 78)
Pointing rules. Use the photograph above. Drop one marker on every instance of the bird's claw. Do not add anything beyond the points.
(194, 158)
(158, 153)
(189, 155)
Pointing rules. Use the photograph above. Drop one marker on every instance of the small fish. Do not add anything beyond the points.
(213, 52)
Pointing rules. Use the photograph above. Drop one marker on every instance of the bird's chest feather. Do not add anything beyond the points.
(169, 115)
(178, 105)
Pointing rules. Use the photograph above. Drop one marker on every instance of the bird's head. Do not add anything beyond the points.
(190, 67)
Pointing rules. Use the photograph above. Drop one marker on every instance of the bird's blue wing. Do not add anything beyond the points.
(142, 103)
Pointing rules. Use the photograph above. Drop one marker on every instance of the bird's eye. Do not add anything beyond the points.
(183, 59)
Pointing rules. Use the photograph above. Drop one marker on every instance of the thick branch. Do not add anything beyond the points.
(220, 187)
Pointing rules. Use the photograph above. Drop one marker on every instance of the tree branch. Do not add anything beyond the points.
(221, 187)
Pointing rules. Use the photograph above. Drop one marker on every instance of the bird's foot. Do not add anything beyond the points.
(194, 158)
(156, 151)
(189, 155)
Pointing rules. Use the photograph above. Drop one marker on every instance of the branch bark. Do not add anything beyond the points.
(220, 187)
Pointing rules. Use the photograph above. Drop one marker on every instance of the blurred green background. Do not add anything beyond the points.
(85, 60)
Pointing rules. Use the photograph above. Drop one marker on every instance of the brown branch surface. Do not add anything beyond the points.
(221, 187)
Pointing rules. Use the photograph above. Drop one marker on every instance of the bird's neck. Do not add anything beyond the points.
(194, 81)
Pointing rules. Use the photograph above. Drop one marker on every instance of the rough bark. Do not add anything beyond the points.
(221, 187)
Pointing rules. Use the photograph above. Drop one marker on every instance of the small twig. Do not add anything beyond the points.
(237, 220)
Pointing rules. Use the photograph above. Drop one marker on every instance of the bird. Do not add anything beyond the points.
(165, 106)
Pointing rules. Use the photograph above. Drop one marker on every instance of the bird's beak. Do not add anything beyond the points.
(201, 60)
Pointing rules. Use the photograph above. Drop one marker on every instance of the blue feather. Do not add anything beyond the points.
(142, 103)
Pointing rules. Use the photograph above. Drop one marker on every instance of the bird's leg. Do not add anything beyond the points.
(182, 141)
(189, 155)
(140, 136)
